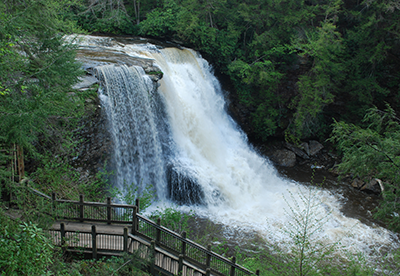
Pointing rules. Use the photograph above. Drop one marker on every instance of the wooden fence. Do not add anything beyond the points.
(166, 247)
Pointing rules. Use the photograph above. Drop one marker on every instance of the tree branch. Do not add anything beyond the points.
(384, 153)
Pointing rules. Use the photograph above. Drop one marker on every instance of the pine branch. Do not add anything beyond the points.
(384, 153)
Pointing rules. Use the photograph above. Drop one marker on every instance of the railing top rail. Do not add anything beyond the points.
(39, 193)
(193, 244)
(101, 204)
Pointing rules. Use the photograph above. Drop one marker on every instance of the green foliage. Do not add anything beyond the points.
(374, 152)
(24, 248)
(264, 76)
(104, 16)
(161, 21)
(372, 44)
(336, 51)
(37, 68)
(126, 265)
(308, 253)
(321, 48)
(392, 262)
(270, 264)
(173, 219)
(5, 174)
(265, 119)
(129, 193)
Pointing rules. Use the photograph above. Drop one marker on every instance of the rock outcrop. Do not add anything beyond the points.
(374, 185)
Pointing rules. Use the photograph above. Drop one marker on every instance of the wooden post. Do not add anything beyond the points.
(81, 208)
(183, 247)
(152, 257)
(208, 260)
(62, 230)
(108, 210)
(126, 239)
(53, 200)
(180, 264)
(232, 266)
(94, 244)
(158, 232)
(137, 204)
(135, 221)
(208, 271)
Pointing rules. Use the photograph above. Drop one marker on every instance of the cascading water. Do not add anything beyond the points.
(129, 99)
(241, 188)
(180, 139)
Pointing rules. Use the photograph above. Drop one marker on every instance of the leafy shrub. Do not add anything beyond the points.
(24, 249)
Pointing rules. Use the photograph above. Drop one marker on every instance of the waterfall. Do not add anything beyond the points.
(179, 138)
(208, 146)
(134, 119)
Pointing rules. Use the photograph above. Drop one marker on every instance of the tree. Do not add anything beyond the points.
(111, 16)
(37, 69)
(287, 59)
(162, 21)
(374, 152)
(372, 38)
(322, 48)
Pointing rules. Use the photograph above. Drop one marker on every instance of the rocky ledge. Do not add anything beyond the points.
(288, 155)
(315, 156)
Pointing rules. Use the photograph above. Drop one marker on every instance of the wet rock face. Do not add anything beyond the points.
(183, 189)
(96, 146)
(306, 150)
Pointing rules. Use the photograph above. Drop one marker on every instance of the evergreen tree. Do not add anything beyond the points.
(37, 69)
(374, 152)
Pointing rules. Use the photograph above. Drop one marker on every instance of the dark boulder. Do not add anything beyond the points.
(284, 158)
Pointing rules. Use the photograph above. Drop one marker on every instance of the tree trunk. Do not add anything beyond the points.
(20, 163)
(136, 5)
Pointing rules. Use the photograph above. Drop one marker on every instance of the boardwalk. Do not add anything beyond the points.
(78, 236)
(110, 241)
(97, 228)
(87, 227)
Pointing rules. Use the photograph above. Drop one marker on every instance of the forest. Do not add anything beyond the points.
(302, 69)
(321, 69)
(293, 63)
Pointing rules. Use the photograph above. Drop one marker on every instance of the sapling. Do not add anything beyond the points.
(309, 253)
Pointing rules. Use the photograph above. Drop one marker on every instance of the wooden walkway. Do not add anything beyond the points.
(110, 241)
(97, 229)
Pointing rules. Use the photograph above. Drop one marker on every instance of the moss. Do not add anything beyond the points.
(156, 73)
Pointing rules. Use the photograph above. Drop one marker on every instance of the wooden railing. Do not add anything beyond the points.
(149, 234)
(157, 260)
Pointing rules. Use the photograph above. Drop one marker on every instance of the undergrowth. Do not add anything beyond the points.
(306, 256)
